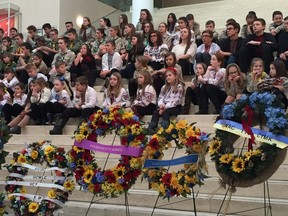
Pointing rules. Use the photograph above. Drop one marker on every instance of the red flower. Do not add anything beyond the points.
(60, 158)
(92, 136)
(79, 173)
(136, 173)
(60, 149)
(140, 137)
(125, 160)
(154, 143)
(173, 193)
(97, 188)
(191, 141)
(166, 179)
(86, 156)
(110, 176)
(128, 176)
(124, 141)
(73, 154)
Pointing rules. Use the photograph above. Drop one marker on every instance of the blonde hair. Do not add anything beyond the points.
(116, 90)
(253, 62)
(147, 80)
(178, 80)
(143, 60)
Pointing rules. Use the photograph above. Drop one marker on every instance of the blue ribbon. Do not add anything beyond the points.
(153, 163)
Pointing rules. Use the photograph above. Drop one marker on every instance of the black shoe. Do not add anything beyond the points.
(185, 112)
(217, 112)
(201, 112)
(56, 131)
(15, 130)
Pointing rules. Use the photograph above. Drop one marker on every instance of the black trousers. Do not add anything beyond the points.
(166, 115)
(216, 95)
(54, 108)
(38, 112)
(246, 54)
(141, 111)
(158, 82)
(203, 57)
(132, 87)
(187, 67)
(10, 111)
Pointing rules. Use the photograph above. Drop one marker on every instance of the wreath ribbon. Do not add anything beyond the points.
(246, 124)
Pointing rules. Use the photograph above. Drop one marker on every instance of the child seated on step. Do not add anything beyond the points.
(169, 101)
(85, 103)
(256, 75)
(145, 102)
(60, 100)
(116, 95)
(15, 107)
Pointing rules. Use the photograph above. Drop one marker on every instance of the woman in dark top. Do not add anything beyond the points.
(84, 64)
(137, 49)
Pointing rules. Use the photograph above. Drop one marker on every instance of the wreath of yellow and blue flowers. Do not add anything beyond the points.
(169, 184)
(116, 180)
(247, 168)
(38, 153)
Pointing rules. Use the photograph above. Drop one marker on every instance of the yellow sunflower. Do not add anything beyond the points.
(49, 149)
(69, 185)
(52, 194)
(119, 171)
(174, 181)
(190, 132)
(21, 159)
(226, 158)
(88, 175)
(33, 207)
(161, 189)
(23, 190)
(214, 146)
(78, 150)
(34, 154)
(238, 165)
(169, 129)
(127, 115)
(182, 124)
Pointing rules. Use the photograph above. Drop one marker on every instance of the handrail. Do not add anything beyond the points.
(106, 15)
(14, 15)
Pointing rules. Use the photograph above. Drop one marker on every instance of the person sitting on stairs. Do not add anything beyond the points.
(85, 103)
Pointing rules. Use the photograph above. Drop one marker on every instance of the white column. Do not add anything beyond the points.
(137, 5)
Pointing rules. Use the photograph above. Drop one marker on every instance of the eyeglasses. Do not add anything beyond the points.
(206, 36)
(153, 35)
(229, 29)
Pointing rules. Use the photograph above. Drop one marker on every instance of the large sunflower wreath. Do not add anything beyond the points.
(245, 166)
(187, 136)
(116, 180)
(62, 182)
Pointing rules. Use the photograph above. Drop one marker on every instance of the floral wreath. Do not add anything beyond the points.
(169, 184)
(119, 179)
(63, 183)
(4, 138)
(2, 206)
(249, 167)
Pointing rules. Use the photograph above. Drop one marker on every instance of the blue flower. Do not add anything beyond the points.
(135, 118)
(228, 111)
(121, 180)
(243, 98)
(100, 177)
(105, 110)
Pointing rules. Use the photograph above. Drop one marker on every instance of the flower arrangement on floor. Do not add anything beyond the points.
(169, 184)
(2, 206)
(4, 138)
(116, 180)
(247, 167)
(60, 184)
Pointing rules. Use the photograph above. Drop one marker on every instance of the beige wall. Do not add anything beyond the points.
(70, 9)
(38, 12)
(57, 12)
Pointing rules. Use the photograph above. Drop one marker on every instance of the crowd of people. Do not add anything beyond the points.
(50, 78)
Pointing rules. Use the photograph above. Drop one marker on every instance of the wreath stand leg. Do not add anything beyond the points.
(127, 204)
(267, 209)
(194, 202)
(106, 161)
(224, 198)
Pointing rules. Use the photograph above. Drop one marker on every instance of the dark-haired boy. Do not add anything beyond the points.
(74, 41)
(259, 44)
(230, 46)
(23, 60)
(277, 25)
